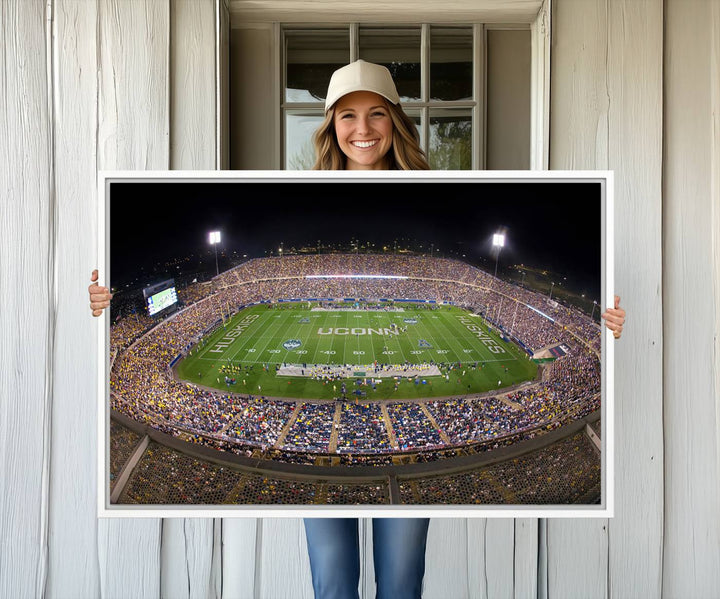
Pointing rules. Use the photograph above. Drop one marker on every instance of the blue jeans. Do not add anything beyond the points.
(398, 554)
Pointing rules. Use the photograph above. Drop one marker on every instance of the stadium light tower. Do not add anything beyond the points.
(499, 243)
(214, 240)
(551, 288)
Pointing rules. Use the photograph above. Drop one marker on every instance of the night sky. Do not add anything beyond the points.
(549, 225)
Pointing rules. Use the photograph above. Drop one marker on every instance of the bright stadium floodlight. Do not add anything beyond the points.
(499, 243)
(214, 240)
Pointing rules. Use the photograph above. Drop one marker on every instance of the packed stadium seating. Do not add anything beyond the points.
(143, 389)
(562, 473)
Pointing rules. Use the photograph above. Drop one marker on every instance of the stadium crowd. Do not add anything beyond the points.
(143, 388)
(565, 472)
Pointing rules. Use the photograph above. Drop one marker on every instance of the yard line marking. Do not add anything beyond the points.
(444, 326)
(500, 342)
(251, 340)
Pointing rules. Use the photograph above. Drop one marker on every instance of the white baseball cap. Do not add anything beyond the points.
(361, 76)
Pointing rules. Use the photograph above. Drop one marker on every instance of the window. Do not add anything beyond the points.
(435, 70)
(467, 86)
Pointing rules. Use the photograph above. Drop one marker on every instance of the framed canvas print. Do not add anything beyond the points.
(355, 343)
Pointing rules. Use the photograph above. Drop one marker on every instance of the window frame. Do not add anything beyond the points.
(423, 107)
(270, 13)
(539, 85)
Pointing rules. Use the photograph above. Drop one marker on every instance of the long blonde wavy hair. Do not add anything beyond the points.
(405, 153)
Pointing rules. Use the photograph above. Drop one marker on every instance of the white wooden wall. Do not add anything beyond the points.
(606, 113)
(691, 299)
(117, 84)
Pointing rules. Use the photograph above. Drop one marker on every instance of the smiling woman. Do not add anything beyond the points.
(365, 128)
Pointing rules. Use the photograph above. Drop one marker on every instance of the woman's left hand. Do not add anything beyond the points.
(615, 318)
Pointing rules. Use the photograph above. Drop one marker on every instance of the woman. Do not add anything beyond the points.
(363, 122)
(365, 128)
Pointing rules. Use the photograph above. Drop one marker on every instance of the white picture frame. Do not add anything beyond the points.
(603, 509)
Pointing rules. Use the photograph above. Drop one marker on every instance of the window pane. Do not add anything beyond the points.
(398, 50)
(450, 145)
(311, 58)
(451, 56)
(299, 151)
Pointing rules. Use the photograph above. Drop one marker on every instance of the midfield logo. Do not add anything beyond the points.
(292, 344)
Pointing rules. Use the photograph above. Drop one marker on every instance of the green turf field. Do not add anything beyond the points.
(253, 342)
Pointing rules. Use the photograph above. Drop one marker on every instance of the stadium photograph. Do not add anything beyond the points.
(378, 343)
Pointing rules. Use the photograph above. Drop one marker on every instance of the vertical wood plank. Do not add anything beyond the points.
(189, 566)
(27, 312)
(129, 556)
(192, 85)
(187, 558)
(133, 131)
(607, 114)
(282, 566)
(216, 570)
(477, 549)
(576, 550)
(692, 397)
(715, 193)
(578, 92)
(635, 89)
(490, 546)
(239, 557)
(499, 556)
(133, 127)
(576, 558)
(73, 561)
(542, 573)
(525, 575)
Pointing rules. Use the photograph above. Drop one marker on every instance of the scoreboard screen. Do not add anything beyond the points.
(158, 302)
(160, 297)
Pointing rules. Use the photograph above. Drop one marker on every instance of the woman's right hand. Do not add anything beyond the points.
(99, 296)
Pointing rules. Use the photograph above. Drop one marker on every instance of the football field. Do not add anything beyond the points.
(245, 354)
